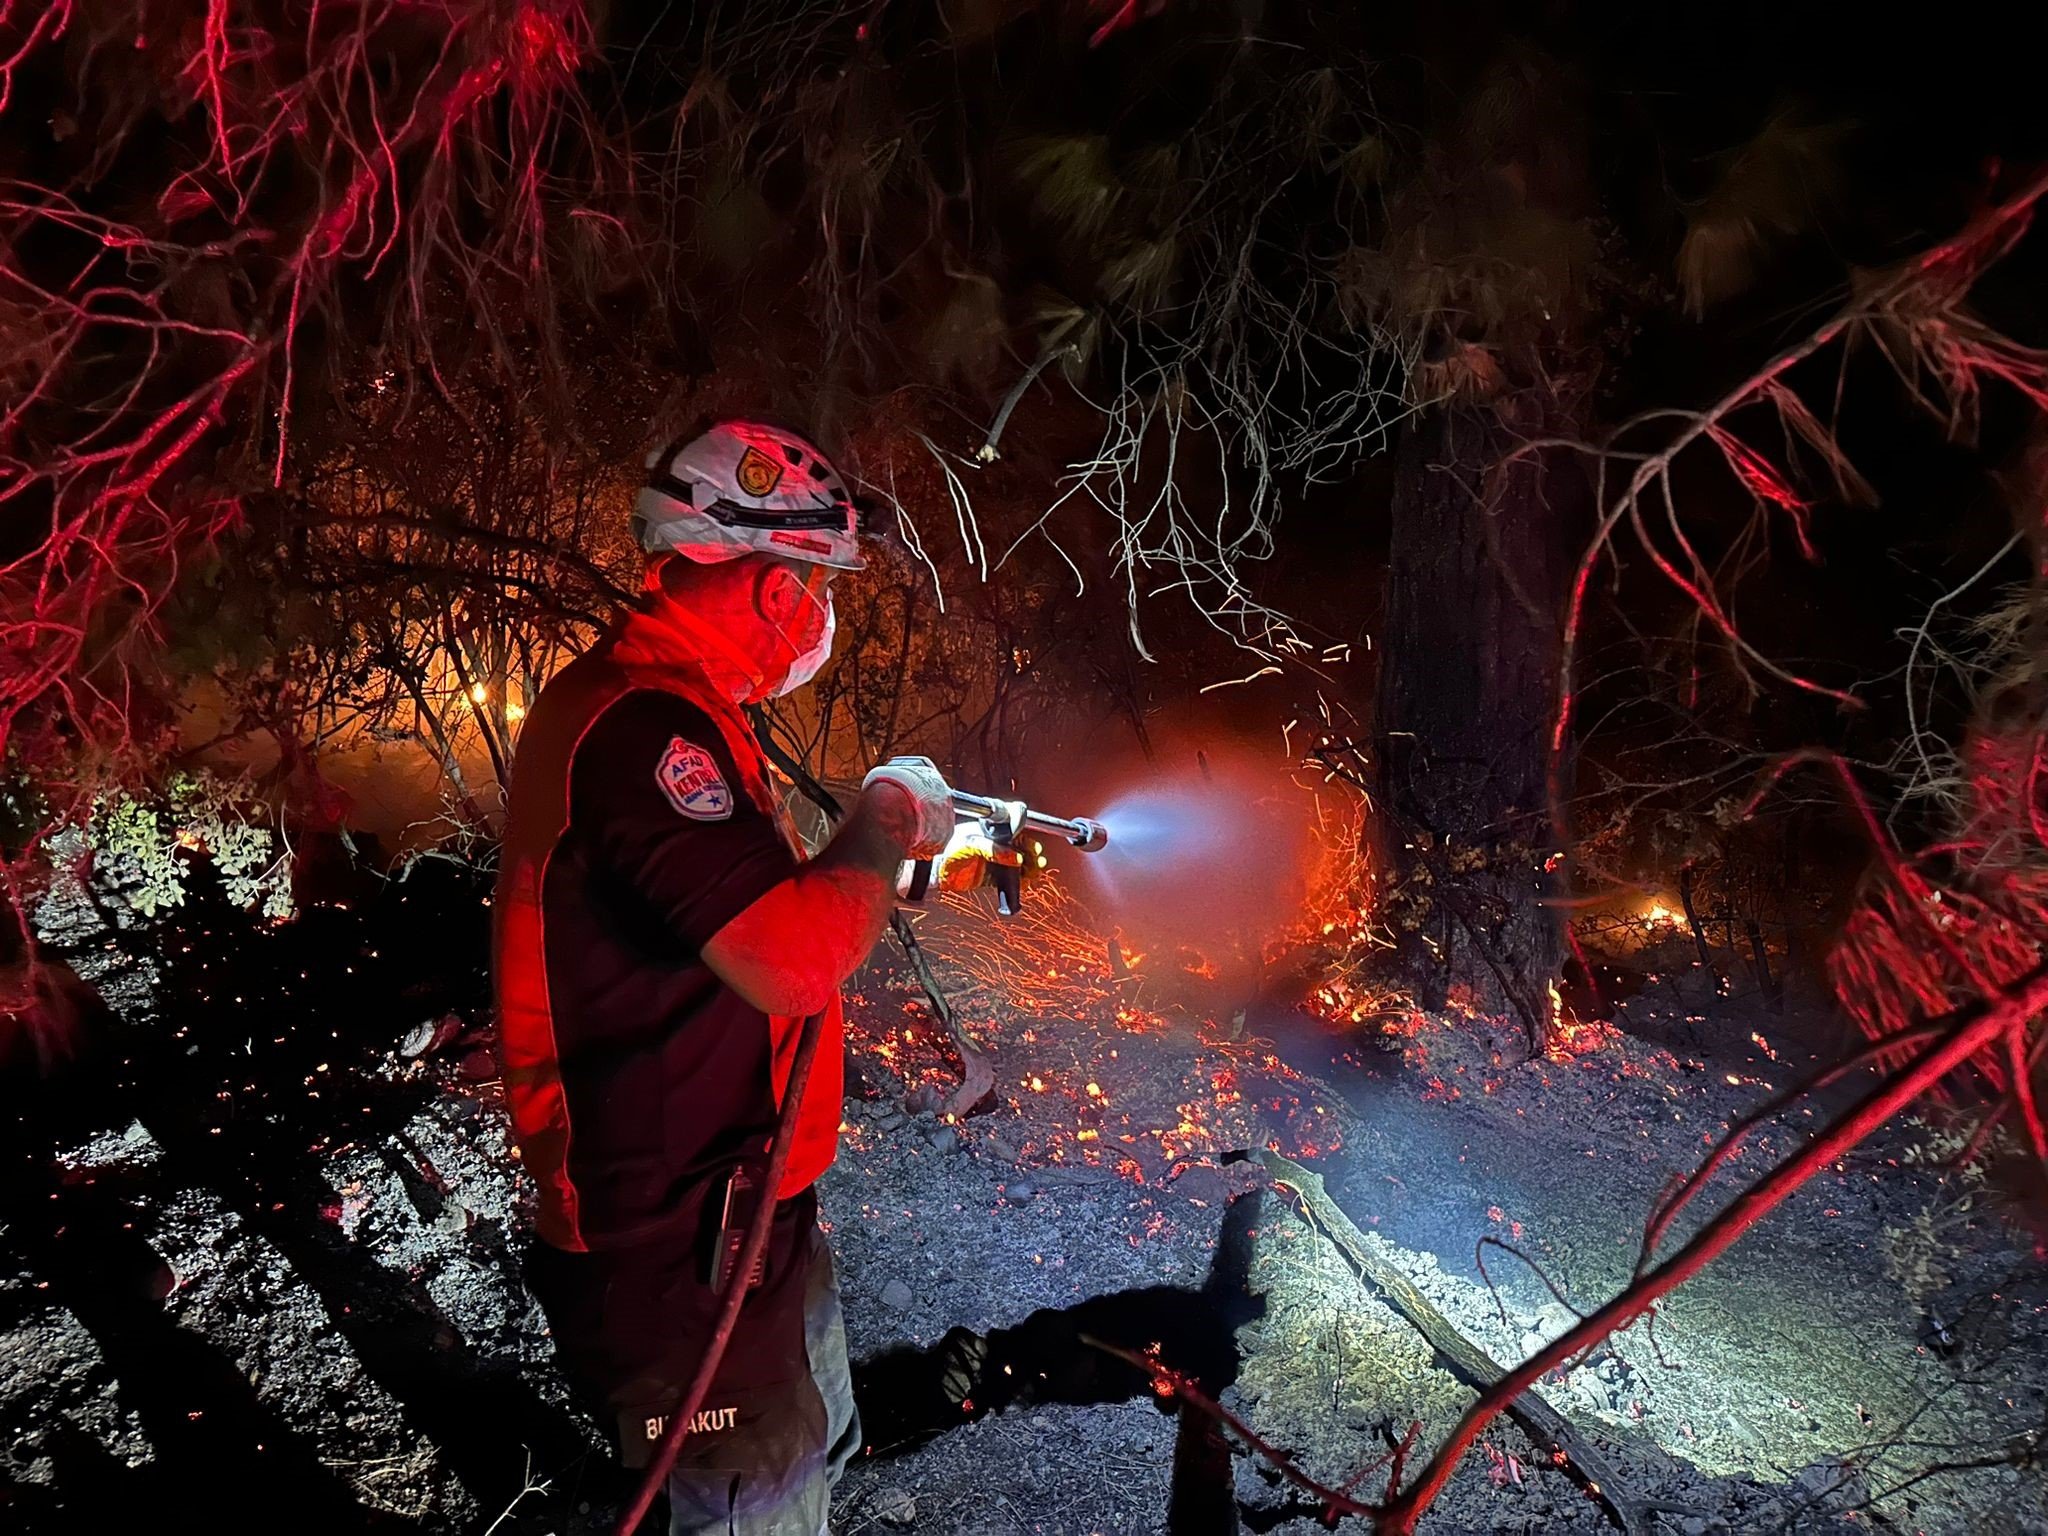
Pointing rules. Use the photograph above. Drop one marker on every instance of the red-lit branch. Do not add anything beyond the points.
(1170, 1383)
(161, 354)
(2009, 1012)
(1958, 922)
(1920, 301)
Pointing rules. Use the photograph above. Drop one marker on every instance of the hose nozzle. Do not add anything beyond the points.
(1091, 836)
(1082, 832)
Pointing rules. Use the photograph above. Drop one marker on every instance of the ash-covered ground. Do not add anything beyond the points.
(259, 1260)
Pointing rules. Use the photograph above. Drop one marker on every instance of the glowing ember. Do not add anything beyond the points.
(1571, 1037)
(1050, 958)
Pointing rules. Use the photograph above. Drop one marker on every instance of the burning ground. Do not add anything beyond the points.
(295, 1293)
(1796, 1385)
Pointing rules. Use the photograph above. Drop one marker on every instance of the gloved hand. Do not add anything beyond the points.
(919, 779)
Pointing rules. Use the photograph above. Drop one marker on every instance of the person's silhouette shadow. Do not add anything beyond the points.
(909, 1396)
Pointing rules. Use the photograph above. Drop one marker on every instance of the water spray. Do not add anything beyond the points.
(1207, 862)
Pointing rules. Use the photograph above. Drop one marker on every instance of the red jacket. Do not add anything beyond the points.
(640, 823)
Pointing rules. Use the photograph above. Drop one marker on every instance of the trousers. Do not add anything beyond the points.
(778, 1425)
(767, 1476)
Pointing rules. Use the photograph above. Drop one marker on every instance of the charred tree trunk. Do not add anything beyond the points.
(1480, 558)
(1692, 921)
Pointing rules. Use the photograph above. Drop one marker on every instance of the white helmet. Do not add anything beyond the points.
(746, 488)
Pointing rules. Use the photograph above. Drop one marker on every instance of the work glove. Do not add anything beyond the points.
(920, 780)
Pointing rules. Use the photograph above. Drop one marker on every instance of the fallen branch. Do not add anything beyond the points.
(1547, 1429)
(531, 1483)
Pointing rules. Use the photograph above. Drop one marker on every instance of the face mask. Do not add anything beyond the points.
(807, 665)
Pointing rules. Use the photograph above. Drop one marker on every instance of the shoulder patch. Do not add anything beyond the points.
(689, 776)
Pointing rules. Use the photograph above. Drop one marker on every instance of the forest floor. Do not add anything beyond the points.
(258, 1262)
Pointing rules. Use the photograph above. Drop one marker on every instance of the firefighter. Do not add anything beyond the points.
(659, 940)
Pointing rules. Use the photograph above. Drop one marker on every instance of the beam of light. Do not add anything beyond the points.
(1209, 865)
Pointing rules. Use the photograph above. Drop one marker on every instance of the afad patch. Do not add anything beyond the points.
(757, 474)
(689, 776)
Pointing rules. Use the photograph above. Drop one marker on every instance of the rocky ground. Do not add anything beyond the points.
(259, 1261)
